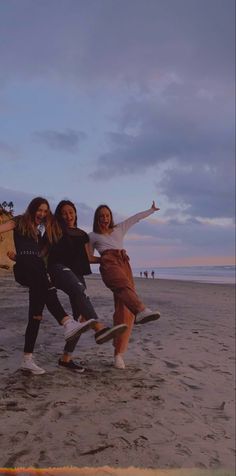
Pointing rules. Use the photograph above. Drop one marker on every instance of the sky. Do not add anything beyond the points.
(123, 102)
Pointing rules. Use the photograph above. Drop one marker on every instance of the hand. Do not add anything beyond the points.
(11, 255)
(154, 206)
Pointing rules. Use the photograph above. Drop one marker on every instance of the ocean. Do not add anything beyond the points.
(207, 274)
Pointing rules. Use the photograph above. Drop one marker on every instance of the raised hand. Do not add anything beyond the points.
(154, 206)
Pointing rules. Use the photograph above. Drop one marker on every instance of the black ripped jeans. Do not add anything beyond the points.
(30, 271)
(75, 287)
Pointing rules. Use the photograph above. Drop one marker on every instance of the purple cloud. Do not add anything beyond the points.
(68, 141)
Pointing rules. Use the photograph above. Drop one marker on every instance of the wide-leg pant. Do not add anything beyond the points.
(117, 276)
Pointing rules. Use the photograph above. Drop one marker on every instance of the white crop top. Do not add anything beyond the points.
(114, 240)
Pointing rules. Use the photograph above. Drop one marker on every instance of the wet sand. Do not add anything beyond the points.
(172, 408)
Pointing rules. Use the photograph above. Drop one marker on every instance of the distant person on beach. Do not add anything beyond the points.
(153, 274)
(141, 274)
(68, 263)
(32, 232)
(107, 239)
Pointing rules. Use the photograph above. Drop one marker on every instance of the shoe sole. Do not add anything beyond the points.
(28, 371)
(79, 371)
(110, 334)
(80, 331)
(149, 318)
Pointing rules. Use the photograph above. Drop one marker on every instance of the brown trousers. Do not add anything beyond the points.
(117, 276)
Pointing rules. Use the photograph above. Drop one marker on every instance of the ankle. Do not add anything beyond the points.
(66, 358)
(97, 326)
(27, 355)
(65, 320)
(141, 310)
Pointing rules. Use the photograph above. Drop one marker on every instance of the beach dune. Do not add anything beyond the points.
(170, 410)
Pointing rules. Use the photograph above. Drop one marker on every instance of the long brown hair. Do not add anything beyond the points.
(96, 226)
(58, 211)
(26, 222)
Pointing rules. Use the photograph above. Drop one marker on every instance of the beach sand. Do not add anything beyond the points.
(170, 410)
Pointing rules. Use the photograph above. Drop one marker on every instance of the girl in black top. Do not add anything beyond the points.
(68, 263)
(33, 232)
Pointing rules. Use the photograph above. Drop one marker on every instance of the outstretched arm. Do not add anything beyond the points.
(126, 224)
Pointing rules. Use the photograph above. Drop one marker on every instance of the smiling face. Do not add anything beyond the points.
(69, 216)
(41, 213)
(104, 219)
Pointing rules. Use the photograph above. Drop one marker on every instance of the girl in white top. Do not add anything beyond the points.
(107, 239)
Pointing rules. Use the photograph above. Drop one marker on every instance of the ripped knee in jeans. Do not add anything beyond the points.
(38, 318)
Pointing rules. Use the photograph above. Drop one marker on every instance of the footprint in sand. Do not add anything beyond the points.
(171, 365)
(183, 450)
(11, 462)
(141, 442)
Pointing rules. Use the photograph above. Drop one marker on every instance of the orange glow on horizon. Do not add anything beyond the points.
(193, 261)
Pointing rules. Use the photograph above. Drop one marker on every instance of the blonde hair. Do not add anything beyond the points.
(26, 223)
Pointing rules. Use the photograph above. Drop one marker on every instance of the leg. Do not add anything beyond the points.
(75, 288)
(122, 315)
(54, 306)
(117, 276)
(31, 333)
(72, 329)
(32, 272)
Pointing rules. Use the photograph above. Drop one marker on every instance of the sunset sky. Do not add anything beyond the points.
(122, 102)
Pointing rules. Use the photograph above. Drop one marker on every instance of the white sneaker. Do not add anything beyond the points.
(146, 316)
(73, 329)
(28, 364)
(119, 362)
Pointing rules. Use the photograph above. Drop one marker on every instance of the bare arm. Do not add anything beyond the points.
(126, 224)
(92, 259)
(11, 255)
(7, 226)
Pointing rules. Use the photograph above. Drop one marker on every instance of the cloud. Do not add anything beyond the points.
(177, 122)
(204, 192)
(109, 40)
(8, 151)
(20, 199)
(185, 136)
(65, 141)
(189, 232)
(189, 237)
(167, 67)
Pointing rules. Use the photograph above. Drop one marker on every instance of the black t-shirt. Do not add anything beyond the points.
(70, 251)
